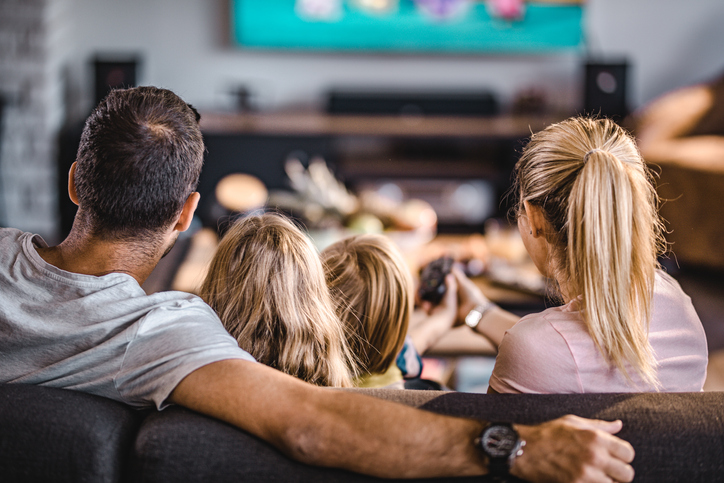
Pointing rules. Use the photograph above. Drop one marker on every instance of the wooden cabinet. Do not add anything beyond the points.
(410, 151)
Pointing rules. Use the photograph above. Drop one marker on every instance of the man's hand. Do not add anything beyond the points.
(573, 449)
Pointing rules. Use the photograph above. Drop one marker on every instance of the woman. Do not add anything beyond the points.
(267, 284)
(587, 213)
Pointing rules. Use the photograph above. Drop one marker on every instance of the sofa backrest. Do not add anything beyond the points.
(58, 436)
(54, 435)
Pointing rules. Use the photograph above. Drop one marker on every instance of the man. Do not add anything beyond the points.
(74, 316)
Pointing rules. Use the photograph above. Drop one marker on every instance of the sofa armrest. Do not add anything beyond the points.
(56, 435)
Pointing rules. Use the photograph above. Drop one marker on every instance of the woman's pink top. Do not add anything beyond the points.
(551, 352)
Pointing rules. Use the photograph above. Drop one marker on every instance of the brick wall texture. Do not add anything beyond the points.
(27, 140)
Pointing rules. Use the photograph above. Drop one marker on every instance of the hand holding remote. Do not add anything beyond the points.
(432, 280)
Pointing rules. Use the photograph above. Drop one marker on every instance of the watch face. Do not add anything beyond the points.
(498, 441)
(473, 318)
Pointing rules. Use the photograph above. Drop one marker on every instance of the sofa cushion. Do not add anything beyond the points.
(56, 435)
(677, 436)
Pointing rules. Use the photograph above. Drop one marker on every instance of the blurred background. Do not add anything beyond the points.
(48, 48)
(402, 116)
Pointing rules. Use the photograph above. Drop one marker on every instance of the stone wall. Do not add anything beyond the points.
(30, 44)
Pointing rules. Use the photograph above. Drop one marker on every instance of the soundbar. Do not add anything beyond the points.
(421, 103)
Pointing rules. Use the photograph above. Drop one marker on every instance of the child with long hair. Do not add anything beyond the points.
(588, 216)
(267, 285)
(372, 289)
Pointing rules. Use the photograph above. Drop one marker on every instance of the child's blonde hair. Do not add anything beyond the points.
(597, 194)
(267, 284)
(372, 289)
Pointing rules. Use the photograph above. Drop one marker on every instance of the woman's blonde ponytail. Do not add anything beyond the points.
(598, 197)
(605, 238)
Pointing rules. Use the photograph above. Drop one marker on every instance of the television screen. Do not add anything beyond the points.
(423, 26)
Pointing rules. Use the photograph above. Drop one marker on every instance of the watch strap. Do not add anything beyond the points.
(498, 466)
(477, 313)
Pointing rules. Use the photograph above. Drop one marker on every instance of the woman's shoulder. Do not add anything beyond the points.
(665, 284)
(543, 333)
(553, 321)
(535, 357)
(670, 301)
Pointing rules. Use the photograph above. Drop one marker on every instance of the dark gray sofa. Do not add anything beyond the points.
(54, 435)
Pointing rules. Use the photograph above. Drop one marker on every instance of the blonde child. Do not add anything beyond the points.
(372, 289)
(267, 284)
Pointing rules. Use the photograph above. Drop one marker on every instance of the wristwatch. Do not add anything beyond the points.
(474, 316)
(501, 444)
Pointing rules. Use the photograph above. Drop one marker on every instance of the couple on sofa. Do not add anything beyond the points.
(74, 315)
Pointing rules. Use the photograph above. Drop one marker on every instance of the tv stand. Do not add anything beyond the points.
(363, 149)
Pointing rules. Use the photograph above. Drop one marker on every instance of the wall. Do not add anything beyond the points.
(184, 43)
(33, 36)
(185, 48)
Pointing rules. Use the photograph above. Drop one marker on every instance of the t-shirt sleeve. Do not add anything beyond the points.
(534, 358)
(172, 342)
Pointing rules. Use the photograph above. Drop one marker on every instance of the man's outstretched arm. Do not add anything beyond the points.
(323, 427)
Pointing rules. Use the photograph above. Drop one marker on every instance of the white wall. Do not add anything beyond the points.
(185, 48)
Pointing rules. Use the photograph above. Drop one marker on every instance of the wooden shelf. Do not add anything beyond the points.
(320, 124)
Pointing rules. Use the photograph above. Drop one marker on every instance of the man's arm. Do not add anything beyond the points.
(324, 427)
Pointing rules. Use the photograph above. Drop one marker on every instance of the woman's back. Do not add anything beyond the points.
(588, 215)
(552, 352)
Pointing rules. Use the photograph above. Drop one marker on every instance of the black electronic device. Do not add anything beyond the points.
(432, 280)
(412, 103)
(605, 89)
(113, 72)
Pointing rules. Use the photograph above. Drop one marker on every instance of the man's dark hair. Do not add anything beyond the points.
(139, 159)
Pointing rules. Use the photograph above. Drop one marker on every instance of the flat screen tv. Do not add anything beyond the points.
(409, 26)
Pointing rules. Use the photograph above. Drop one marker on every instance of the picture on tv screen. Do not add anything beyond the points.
(423, 26)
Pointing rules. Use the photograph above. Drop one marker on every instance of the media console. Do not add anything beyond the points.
(428, 157)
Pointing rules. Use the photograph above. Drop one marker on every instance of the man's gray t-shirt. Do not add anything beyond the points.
(100, 335)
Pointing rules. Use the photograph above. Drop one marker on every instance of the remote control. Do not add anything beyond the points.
(432, 280)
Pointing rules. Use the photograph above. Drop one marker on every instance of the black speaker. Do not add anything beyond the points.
(113, 73)
(605, 89)
(412, 103)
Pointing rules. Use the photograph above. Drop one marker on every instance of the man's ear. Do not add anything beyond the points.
(536, 219)
(187, 212)
(71, 184)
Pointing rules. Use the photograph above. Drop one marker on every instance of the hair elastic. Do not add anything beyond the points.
(585, 156)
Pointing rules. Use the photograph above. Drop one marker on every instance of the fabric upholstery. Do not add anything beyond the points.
(55, 435)
(179, 446)
(677, 436)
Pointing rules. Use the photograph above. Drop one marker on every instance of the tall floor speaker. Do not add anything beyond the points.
(605, 89)
(113, 73)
